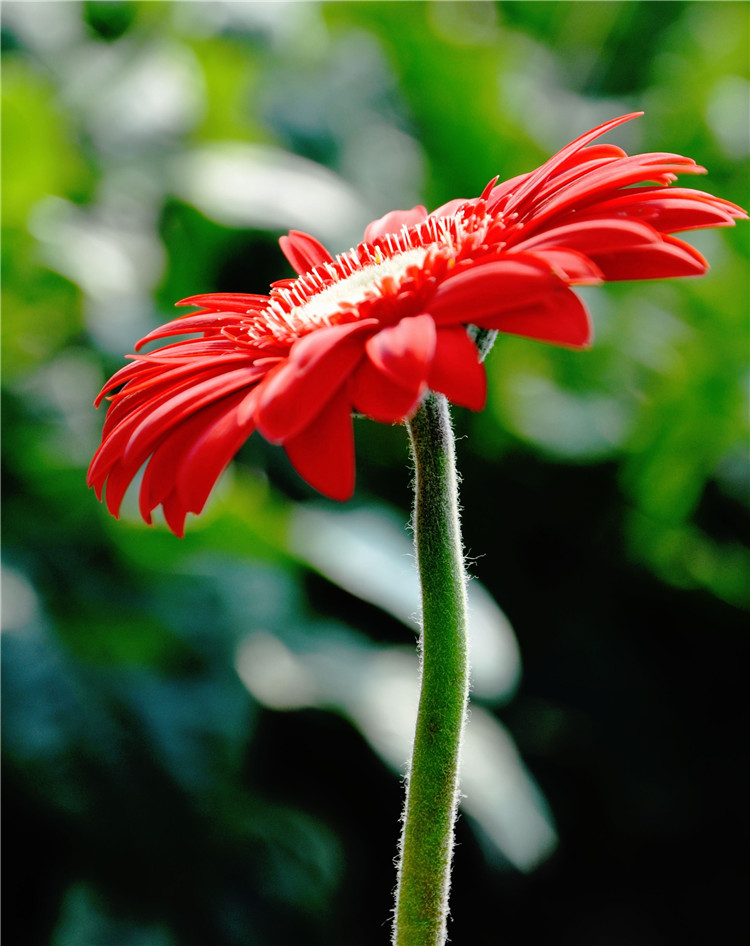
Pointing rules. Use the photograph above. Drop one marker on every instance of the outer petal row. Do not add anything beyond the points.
(520, 295)
(303, 251)
(186, 422)
(296, 392)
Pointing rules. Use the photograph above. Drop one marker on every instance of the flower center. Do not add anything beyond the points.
(368, 271)
(353, 289)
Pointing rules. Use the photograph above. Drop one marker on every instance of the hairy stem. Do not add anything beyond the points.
(432, 794)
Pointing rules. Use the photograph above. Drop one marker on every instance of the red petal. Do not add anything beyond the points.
(588, 235)
(168, 374)
(456, 370)
(192, 457)
(118, 479)
(299, 389)
(570, 265)
(303, 251)
(175, 514)
(132, 369)
(671, 257)
(323, 452)
(562, 158)
(602, 184)
(185, 350)
(212, 452)
(380, 398)
(485, 195)
(450, 208)
(184, 404)
(162, 469)
(187, 324)
(485, 291)
(503, 191)
(165, 366)
(668, 210)
(590, 154)
(560, 318)
(392, 222)
(404, 351)
(227, 301)
(152, 421)
(124, 416)
(390, 382)
(185, 465)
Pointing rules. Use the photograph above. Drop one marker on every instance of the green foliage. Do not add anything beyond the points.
(190, 745)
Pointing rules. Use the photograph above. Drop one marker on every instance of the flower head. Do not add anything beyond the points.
(370, 330)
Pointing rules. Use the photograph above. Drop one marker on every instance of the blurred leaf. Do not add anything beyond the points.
(41, 310)
(86, 921)
(110, 19)
(605, 492)
(230, 73)
(39, 152)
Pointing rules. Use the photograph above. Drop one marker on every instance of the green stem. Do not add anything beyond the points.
(432, 794)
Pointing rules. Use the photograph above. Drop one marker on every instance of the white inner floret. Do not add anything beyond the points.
(358, 286)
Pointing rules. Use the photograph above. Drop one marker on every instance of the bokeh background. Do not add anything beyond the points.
(204, 739)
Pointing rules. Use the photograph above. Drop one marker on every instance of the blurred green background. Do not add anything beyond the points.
(203, 738)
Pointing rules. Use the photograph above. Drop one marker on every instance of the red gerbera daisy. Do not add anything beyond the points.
(371, 330)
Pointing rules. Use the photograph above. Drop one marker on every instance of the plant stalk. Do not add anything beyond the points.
(426, 848)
